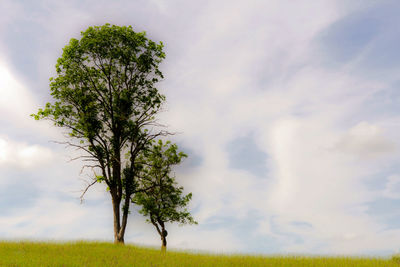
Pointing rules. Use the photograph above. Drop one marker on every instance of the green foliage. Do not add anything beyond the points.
(162, 200)
(106, 254)
(105, 88)
(99, 178)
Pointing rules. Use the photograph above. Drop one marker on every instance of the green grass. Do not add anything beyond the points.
(107, 254)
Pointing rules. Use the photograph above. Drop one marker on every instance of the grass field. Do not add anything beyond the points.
(107, 254)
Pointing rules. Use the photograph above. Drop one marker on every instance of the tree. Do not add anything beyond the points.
(105, 97)
(164, 201)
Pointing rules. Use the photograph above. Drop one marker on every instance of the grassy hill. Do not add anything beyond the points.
(107, 254)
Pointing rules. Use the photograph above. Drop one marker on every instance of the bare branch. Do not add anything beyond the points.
(89, 166)
(86, 189)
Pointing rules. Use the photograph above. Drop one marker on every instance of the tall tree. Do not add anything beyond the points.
(164, 201)
(105, 97)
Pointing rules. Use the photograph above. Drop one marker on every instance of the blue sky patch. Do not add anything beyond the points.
(244, 154)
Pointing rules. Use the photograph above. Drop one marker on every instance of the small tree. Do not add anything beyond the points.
(105, 97)
(164, 201)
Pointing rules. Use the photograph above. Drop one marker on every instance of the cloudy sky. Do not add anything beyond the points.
(289, 111)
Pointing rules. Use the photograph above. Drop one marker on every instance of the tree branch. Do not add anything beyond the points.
(86, 189)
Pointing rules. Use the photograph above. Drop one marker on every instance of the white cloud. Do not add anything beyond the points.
(15, 100)
(16, 104)
(365, 140)
(55, 219)
(22, 155)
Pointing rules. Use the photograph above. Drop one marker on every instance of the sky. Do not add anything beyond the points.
(289, 112)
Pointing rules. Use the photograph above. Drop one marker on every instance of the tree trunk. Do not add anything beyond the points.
(125, 213)
(163, 244)
(116, 201)
(116, 191)
(164, 234)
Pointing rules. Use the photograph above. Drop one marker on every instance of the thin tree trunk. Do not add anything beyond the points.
(125, 213)
(163, 244)
(164, 234)
(117, 226)
(116, 191)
